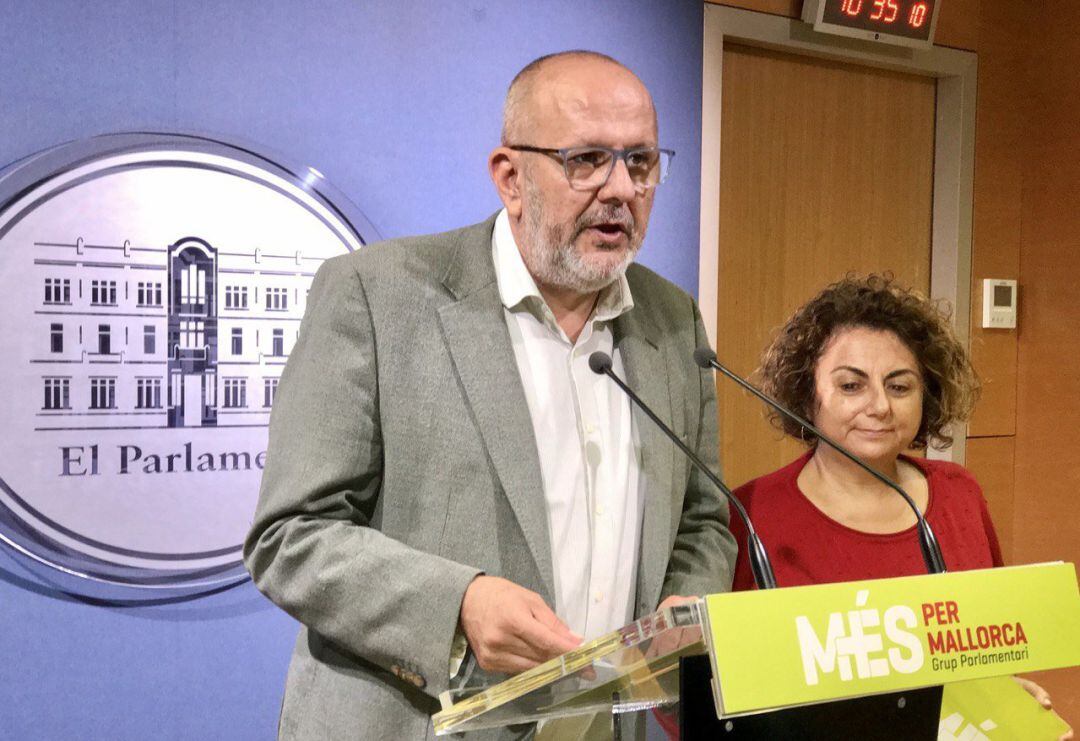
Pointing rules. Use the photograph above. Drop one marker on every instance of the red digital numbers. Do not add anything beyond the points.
(885, 10)
(917, 16)
(906, 17)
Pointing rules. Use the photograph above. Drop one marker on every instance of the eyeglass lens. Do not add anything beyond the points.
(589, 168)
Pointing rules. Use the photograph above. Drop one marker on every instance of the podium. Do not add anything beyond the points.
(914, 714)
(635, 668)
(809, 662)
(661, 662)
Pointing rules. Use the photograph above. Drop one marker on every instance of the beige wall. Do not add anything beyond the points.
(1024, 441)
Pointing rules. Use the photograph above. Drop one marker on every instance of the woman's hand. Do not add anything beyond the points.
(1043, 698)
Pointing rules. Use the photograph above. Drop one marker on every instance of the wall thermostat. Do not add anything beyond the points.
(999, 304)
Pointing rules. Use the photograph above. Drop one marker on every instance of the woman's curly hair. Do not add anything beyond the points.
(950, 386)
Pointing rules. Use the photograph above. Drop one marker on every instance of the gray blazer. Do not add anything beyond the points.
(402, 463)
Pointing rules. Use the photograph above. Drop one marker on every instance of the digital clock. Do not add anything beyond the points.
(907, 22)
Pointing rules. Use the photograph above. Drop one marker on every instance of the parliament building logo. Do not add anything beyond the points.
(153, 288)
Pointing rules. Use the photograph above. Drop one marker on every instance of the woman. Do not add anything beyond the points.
(878, 369)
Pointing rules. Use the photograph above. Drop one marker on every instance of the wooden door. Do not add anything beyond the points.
(826, 169)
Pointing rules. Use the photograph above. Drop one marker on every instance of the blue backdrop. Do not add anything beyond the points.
(398, 104)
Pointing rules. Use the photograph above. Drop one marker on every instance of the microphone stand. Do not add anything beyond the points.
(764, 578)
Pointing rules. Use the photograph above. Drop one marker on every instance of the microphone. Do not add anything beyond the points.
(600, 364)
(931, 551)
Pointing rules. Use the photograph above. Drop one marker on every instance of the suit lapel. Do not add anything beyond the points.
(476, 336)
(647, 373)
(479, 344)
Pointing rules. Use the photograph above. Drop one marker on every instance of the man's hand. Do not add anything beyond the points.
(674, 599)
(511, 629)
(674, 639)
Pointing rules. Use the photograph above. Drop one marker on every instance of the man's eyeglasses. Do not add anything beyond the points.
(588, 168)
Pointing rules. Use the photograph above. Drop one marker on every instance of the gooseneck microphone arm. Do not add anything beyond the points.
(931, 551)
(600, 364)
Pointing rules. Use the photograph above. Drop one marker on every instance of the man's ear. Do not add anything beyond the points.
(503, 168)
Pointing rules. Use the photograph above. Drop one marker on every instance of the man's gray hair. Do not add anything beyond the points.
(514, 109)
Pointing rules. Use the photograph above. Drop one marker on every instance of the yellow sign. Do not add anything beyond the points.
(782, 647)
(996, 708)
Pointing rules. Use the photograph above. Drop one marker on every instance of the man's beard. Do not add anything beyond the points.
(554, 260)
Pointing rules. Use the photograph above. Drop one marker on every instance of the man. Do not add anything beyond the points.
(444, 470)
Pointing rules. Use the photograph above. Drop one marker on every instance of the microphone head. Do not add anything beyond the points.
(704, 356)
(599, 362)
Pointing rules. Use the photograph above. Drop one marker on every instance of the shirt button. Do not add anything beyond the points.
(590, 427)
(599, 509)
(598, 596)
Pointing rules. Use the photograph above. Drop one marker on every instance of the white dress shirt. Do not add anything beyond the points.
(588, 449)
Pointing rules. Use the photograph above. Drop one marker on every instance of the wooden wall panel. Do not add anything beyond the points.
(1054, 79)
(1001, 129)
(1047, 521)
(992, 460)
(958, 23)
(825, 169)
(1048, 397)
(1048, 403)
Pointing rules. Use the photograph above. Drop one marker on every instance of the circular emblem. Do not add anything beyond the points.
(153, 288)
